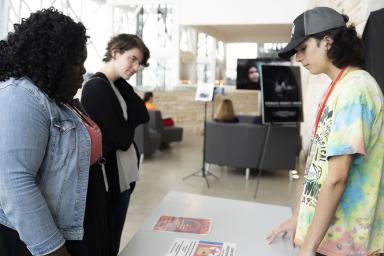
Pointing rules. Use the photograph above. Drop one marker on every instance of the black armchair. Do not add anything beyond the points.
(168, 134)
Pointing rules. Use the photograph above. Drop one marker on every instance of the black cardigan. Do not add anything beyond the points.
(102, 105)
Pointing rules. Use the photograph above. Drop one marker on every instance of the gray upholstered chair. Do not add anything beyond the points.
(249, 119)
(242, 145)
(147, 141)
(282, 147)
(234, 144)
(168, 134)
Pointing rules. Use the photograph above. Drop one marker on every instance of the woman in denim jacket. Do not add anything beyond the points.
(51, 201)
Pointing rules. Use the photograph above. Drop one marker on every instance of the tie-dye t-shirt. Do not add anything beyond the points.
(351, 124)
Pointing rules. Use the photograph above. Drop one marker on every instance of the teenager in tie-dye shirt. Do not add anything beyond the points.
(341, 208)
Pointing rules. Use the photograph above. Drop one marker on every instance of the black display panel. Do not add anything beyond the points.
(249, 72)
(281, 94)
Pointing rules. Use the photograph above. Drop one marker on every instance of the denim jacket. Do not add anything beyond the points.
(44, 167)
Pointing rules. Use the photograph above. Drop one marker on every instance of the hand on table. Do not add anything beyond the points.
(287, 228)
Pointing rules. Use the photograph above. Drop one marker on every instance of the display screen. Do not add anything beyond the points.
(281, 94)
(249, 72)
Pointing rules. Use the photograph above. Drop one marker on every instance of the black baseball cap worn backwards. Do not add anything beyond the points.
(313, 21)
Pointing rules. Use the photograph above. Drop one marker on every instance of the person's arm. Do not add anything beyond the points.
(102, 106)
(329, 197)
(24, 133)
(135, 105)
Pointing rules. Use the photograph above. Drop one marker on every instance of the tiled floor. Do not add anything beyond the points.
(164, 171)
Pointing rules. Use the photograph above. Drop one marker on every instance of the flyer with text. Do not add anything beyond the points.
(184, 225)
(191, 247)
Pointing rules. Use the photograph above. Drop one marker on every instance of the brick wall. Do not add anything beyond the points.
(189, 114)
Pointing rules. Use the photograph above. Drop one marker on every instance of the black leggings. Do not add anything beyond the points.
(11, 245)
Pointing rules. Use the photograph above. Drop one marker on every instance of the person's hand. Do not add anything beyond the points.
(287, 228)
(62, 251)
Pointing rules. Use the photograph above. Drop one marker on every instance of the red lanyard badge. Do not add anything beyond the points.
(319, 114)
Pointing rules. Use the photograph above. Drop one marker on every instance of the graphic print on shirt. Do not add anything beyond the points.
(351, 125)
(318, 157)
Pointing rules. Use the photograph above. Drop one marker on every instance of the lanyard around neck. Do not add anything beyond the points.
(319, 114)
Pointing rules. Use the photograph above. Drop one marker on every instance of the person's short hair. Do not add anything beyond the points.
(147, 96)
(45, 47)
(126, 42)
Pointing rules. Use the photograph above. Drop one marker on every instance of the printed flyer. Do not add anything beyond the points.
(183, 225)
(190, 247)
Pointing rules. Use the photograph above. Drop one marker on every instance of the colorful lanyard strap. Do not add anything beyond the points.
(320, 113)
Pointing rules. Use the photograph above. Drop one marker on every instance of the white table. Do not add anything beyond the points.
(244, 223)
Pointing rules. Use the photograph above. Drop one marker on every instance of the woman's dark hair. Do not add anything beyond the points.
(252, 65)
(347, 47)
(147, 96)
(126, 42)
(46, 47)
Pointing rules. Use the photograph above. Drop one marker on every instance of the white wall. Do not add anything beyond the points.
(3, 18)
(357, 10)
(223, 12)
(213, 12)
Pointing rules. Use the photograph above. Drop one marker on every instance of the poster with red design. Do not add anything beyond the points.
(183, 225)
(190, 247)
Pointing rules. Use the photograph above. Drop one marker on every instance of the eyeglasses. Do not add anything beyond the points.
(134, 61)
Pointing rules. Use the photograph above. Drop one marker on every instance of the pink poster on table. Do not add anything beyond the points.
(183, 225)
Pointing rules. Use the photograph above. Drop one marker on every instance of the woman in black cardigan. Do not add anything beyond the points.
(118, 110)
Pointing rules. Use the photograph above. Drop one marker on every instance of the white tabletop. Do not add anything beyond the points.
(244, 223)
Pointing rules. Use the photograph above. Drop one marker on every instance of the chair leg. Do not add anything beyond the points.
(141, 158)
(247, 170)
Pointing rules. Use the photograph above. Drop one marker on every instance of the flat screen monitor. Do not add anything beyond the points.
(249, 72)
(281, 94)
